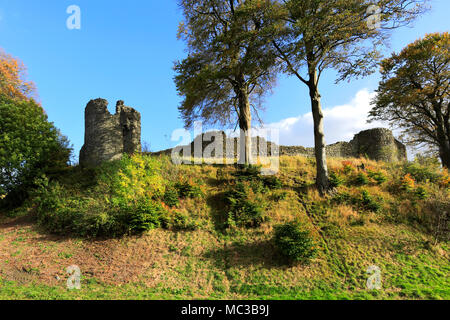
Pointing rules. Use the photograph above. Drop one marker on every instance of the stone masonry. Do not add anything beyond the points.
(376, 144)
(107, 136)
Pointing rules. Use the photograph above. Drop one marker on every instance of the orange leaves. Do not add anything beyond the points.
(408, 182)
(13, 81)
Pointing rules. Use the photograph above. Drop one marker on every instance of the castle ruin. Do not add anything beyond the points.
(376, 144)
(108, 136)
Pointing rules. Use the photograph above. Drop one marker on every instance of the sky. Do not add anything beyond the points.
(125, 50)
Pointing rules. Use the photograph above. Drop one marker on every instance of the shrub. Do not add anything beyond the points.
(421, 173)
(132, 178)
(445, 179)
(378, 176)
(294, 242)
(336, 179)
(142, 216)
(60, 212)
(407, 183)
(421, 193)
(258, 186)
(362, 179)
(348, 167)
(181, 221)
(368, 202)
(242, 211)
(279, 196)
(247, 172)
(171, 197)
(272, 182)
(342, 198)
(188, 189)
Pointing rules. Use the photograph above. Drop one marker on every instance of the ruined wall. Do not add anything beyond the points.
(108, 137)
(379, 144)
(376, 144)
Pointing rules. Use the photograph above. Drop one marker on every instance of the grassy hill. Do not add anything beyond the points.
(143, 228)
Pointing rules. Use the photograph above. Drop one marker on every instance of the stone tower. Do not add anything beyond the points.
(108, 137)
(378, 144)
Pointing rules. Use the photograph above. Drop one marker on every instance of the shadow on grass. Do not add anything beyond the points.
(258, 253)
(29, 221)
(218, 211)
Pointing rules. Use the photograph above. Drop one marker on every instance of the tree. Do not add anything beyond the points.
(231, 63)
(29, 147)
(344, 35)
(13, 82)
(414, 93)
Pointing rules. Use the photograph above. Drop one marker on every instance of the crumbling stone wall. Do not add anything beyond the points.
(108, 137)
(376, 144)
(379, 144)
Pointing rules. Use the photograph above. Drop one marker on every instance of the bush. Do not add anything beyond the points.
(421, 193)
(362, 179)
(171, 197)
(407, 183)
(188, 189)
(342, 198)
(421, 173)
(348, 167)
(132, 178)
(181, 221)
(247, 172)
(242, 211)
(142, 216)
(368, 202)
(294, 242)
(279, 196)
(78, 217)
(364, 201)
(272, 182)
(378, 176)
(336, 179)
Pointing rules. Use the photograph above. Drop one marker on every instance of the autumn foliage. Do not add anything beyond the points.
(13, 82)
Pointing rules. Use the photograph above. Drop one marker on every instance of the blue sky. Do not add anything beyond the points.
(125, 51)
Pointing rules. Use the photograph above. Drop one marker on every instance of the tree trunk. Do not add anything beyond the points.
(445, 154)
(322, 179)
(245, 119)
(442, 135)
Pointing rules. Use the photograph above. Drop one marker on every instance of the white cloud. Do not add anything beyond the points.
(341, 123)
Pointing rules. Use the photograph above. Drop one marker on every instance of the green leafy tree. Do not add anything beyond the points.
(29, 146)
(231, 63)
(414, 93)
(344, 35)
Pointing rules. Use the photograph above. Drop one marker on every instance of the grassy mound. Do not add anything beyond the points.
(151, 229)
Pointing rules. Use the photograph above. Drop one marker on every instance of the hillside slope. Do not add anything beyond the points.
(393, 216)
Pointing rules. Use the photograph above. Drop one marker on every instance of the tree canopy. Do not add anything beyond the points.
(13, 78)
(414, 93)
(345, 35)
(231, 64)
(29, 145)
